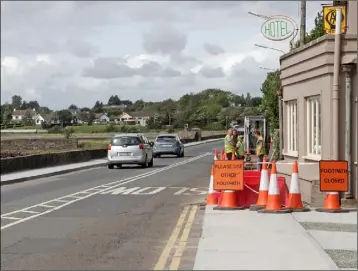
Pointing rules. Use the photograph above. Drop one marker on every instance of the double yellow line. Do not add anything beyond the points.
(173, 239)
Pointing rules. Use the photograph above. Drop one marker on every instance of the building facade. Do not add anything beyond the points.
(307, 98)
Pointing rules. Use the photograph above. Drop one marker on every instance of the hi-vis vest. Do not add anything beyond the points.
(240, 148)
(262, 152)
(228, 147)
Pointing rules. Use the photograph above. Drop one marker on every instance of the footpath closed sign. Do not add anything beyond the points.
(333, 176)
(229, 175)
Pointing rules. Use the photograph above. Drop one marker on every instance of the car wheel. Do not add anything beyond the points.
(150, 164)
(110, 166)
(119, 166)
(145, 163)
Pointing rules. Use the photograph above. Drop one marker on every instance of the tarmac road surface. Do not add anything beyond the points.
(123, 219)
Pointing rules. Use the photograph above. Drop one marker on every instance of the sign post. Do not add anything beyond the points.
(333, 176)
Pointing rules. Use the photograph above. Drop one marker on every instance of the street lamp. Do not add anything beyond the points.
(267, 69)
(259, 15)
(271, 48)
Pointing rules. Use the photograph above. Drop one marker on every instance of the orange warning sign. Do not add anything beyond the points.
(229, 175)
(333, 176)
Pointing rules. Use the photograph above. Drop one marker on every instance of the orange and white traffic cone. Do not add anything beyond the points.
(222, 155)
(332, 204)
(294, 197)
(229, 201)
(216, 155)
(273, 204)
(212, 198)
(263, 190)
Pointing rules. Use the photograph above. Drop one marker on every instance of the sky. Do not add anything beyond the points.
(61, 52)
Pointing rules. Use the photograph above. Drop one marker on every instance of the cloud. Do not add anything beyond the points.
(213, 49)
(164, 39)
(212, 72)
(107, 68)
(62, 52)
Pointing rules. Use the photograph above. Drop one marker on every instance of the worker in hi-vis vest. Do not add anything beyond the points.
(229, 144)
(260, 149)
(240, 148)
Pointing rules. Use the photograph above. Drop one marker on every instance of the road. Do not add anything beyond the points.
(123, 219)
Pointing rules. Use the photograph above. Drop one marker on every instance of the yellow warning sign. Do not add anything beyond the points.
(329, 19)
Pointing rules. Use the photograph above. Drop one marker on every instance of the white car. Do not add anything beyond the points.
(130, 148)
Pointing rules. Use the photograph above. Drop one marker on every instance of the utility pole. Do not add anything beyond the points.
(303, 23)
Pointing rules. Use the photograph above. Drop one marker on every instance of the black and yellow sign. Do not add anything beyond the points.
(329, 19)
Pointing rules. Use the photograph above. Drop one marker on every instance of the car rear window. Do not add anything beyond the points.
(128, 141)
(166, 138)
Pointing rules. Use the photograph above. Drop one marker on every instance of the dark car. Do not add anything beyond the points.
(168, 144)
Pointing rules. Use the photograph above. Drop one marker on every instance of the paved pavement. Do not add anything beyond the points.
(98, 218)
(246, 240)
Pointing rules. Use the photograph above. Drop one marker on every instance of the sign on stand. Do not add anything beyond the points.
(228, 175)
(333, 176)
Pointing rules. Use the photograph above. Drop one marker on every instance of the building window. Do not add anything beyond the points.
(292, 127)
(313, 126)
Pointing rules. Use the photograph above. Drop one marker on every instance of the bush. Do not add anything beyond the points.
(215, 126)
(276, 145)
(111, 128)
(170, 130)
(68, 131)
(129, 129)
(55, 130)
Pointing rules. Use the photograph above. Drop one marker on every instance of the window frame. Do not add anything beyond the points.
(292, 127)
(314, 131)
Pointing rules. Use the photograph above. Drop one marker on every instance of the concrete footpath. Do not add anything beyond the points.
(63, 169)
(247, 240)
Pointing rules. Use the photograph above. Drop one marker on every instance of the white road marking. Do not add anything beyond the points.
(32, 212)
(12, 218)
(46, 206)
(155, 190)
(108, 186)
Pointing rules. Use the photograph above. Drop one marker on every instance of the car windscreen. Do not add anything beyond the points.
(166, 138)
(127, 141)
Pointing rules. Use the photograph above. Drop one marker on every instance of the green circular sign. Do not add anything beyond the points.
(278, 28)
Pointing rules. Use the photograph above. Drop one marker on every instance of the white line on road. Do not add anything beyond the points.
(106, 187)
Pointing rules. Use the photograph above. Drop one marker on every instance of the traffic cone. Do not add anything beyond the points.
(332, 204)
(215, 155)
(229, 201)
(212, 198)
(294, 197)
(273, 204)
(263, 190)
(222, 155)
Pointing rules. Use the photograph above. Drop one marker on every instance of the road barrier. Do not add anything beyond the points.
(265, 192)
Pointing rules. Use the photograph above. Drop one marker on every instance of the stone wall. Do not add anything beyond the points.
(39, 144)
(10, 165)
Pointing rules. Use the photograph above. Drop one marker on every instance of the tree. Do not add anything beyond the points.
(28, 121)
(73, 107)
(270, 98)
(6, 110)
(16, 101)
(65, 117)
(114, 100)
(316, 32)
